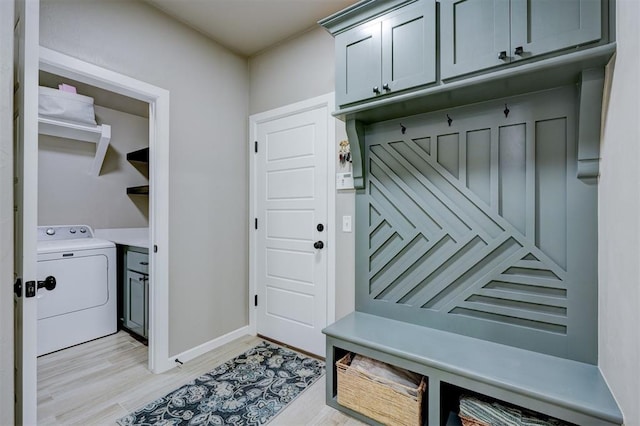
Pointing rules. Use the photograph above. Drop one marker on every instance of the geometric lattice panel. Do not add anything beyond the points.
(471, 227)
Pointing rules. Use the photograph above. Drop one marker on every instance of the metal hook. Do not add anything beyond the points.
(449, 120)
(506, 111)
(403, 129)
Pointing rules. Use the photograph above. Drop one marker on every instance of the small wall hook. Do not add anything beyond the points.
(449, 120)
(403, 129)
(506, 111)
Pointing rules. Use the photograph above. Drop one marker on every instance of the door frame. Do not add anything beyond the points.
(6, 212)
(158, 98)
(328, 101)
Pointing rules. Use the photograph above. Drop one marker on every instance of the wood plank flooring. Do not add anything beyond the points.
(98, 382)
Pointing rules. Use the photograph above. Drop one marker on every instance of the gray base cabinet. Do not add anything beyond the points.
(135, 291)
(394, 52)
(480, 34)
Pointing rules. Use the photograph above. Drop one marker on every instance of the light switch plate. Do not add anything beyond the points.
(346, 223)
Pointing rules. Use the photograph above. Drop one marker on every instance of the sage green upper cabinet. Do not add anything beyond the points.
(391, 53)
(358, 63)
(480, 34)
(473, 33)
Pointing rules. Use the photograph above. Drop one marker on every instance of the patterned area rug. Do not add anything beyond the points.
(248, 390)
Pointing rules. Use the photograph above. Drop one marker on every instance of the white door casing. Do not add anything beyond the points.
(6, 213)
(25, 129)
(292, 193)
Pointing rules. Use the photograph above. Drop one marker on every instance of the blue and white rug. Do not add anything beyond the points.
(248, 390)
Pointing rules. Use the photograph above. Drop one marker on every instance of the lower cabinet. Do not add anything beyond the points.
(135, 291)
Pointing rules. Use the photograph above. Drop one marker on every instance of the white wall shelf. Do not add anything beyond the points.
(100, 135)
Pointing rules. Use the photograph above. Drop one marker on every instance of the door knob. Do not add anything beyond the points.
(376, 90)
(49, 283)
(502, 55)
(386, 87)
(518, 51)
(318, 245)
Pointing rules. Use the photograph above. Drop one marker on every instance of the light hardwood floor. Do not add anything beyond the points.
(98, 382)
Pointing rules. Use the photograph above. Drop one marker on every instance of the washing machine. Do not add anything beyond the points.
(77, 299)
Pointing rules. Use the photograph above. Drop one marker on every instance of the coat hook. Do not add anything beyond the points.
(506, 111)
(449, 120)
(403, 129)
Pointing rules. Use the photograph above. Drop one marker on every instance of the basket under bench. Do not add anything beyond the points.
(565, 389)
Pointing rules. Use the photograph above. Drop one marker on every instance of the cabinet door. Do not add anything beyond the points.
(473, 34)
(542, 26)
(358, 63)
(409, 47)
(135, 302)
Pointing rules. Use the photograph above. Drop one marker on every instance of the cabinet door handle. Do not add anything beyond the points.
(519, 51)
(502, 55)
(144, 263)
(376, 90)
(386, 87)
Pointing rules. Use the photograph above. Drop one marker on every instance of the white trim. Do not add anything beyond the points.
(327, 100)
(6, 213)
(253, 328)
(193, 353)
(158, 99)
(332, 224)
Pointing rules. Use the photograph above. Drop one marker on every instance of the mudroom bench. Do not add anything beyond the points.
(454, 365)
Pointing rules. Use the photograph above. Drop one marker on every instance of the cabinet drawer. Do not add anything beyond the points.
(138, 262)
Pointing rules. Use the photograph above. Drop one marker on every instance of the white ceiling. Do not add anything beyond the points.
(249, 26)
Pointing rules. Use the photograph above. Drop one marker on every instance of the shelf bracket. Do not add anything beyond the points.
(355, 134)
(101, 150)
(100, 135)
(591, 87)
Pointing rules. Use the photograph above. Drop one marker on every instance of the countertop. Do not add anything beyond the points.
(137, 237)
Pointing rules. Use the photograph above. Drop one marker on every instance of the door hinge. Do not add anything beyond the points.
(255, 300)
(17, 287)
(255, 223)
(255, 146)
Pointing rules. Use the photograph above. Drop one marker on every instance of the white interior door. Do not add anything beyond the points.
(291, 243)
(26, 57)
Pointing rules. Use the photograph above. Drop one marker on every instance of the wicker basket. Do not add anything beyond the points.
(375, 397)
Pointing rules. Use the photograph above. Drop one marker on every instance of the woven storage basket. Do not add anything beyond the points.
(376, 398)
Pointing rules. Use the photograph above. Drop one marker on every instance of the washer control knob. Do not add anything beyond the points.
(51, 231)
(72, 230)
(83, 230)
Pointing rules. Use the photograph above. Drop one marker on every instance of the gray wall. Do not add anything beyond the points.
(208, 186)
(68, 194)
(619, 221)
(299, 69)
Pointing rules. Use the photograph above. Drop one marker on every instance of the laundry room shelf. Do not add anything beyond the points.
(139, 156)
(100, 135)
(138, 190)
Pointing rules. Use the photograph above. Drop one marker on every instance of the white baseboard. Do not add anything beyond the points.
(192, 353)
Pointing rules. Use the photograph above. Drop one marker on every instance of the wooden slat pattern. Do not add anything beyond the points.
(460, 208)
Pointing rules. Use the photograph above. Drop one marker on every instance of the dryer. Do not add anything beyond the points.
(77, 278)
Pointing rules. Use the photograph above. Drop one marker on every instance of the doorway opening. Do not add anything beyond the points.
(152, 210)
